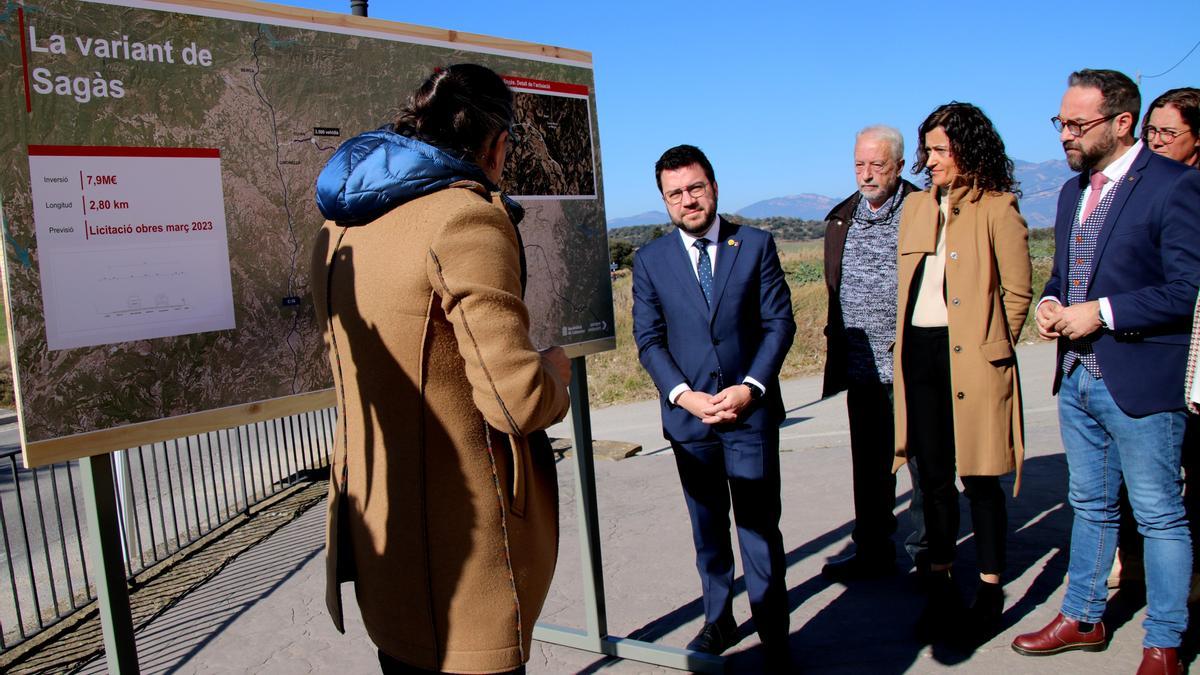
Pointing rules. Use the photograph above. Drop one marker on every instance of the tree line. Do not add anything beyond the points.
(623, 241)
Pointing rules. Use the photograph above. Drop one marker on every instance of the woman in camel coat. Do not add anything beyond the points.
(443, 505)
(964, 292)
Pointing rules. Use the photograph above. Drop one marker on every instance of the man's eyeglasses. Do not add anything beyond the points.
(1077, 129)
(696, 190)
(1167, 136)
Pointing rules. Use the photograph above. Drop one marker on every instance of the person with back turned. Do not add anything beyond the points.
(712, 319)
(443, 502)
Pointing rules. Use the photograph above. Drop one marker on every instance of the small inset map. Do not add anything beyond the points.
(552, 156)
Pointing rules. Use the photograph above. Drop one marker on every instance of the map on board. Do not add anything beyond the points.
(158, 202)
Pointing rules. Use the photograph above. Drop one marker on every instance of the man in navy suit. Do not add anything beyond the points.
(712, 318)
(1119, 301)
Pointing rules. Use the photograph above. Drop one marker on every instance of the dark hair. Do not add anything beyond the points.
(1185, 99)
(974, 143)
(679, 157)
(1119, 92)
(458, 109)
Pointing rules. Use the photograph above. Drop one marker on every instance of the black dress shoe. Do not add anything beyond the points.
(715, 637)
(859, 566)
(777, 657)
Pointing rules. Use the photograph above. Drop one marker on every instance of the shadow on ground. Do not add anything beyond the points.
(870, 626)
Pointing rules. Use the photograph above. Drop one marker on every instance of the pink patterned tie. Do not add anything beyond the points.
(1098, 181)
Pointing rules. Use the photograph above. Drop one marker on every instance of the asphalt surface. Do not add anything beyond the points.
(264, 612)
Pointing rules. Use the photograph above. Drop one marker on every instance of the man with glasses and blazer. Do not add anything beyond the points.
(1119, 302)
(712, 318)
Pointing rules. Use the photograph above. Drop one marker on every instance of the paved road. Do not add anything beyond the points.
(264, 612)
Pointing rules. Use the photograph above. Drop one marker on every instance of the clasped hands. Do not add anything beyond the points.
(1073, 322)
(724, 406)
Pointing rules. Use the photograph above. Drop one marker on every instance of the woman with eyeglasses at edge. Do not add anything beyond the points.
(443, 502)
(964, 292)
(1171, 128)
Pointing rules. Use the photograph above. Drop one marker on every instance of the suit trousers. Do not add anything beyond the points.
(872, 450)
(931, 441)
(741, 467)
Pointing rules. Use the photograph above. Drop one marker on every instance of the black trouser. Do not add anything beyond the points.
(391, 666)
(931, 440)
(872, 451)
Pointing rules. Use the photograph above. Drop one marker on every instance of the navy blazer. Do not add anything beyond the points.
(747, 332)
(1147, 264)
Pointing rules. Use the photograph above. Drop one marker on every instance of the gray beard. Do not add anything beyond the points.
(886, 197)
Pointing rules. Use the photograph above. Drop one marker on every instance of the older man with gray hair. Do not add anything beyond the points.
(860, 275)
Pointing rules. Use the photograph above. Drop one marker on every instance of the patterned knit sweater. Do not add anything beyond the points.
(868, 290)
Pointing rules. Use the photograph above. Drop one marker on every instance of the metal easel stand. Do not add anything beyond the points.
(104, 534)
(596, 638)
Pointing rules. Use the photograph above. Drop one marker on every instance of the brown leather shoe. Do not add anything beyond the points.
(1160, 661)
(1060, 635)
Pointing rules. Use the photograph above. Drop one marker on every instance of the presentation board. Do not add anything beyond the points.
(158, 203)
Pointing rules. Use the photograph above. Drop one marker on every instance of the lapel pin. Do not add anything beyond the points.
(733, 242)
(1131, 178)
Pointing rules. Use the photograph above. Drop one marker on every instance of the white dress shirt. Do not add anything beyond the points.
(689, 241)
(689, 245)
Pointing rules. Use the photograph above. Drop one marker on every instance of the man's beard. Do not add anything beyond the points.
(881, 192)
(1089, 158)
(698, 229)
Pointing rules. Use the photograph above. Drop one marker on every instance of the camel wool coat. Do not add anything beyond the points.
(988, 292)
(440, 512)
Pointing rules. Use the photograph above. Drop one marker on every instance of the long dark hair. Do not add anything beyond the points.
(975, 145)
(458, 109)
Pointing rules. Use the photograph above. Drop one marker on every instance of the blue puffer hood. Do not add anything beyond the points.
(377, 171)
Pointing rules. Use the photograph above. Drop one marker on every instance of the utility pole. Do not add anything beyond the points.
(358, 7)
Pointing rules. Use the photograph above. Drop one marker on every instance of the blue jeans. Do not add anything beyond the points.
(1105, 446)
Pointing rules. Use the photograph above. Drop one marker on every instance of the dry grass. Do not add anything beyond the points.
(617, 377)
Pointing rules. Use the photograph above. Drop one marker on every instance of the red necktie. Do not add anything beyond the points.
(1098, 181)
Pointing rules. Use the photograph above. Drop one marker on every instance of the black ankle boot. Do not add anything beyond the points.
(986, 610)
(943, 610)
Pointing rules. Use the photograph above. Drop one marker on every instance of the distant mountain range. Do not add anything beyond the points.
(1039, 181)
(805, 206)
(1040, 184)
(645, 218)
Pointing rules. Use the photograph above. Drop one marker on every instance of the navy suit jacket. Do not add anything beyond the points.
(1147, 263)
(747, 331)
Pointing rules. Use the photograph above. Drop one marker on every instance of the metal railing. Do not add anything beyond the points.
(171, 495)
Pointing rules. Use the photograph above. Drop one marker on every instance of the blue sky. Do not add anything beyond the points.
(774, 91)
